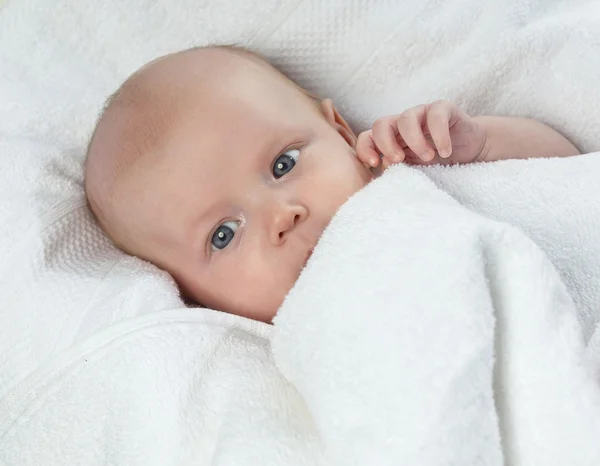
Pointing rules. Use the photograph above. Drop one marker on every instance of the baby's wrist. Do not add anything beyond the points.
(484, 153)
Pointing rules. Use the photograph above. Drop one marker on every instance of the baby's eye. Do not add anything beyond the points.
(223, 235)
(285, 162)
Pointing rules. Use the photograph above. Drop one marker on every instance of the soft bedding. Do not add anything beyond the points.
(423, 332)
(100, 361)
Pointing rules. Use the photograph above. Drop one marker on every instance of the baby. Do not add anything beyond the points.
(212, 165)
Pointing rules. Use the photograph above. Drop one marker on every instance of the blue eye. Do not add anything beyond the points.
(285, 162)
(223, 235)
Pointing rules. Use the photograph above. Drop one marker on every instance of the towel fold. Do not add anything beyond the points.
(555, 202)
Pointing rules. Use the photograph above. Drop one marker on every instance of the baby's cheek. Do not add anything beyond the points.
(263, 292)
(363, 173)
(355, 177)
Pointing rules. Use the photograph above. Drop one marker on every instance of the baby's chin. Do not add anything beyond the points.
(263, 310)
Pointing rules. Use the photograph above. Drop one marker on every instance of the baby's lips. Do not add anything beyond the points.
(309, 255)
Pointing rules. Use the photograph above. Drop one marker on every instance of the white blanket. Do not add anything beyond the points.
(99, 360)
(555, 202)
(423, 333)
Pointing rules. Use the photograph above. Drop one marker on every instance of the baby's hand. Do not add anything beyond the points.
(424, 135)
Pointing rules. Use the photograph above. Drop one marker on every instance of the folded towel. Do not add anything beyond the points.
(423, 333)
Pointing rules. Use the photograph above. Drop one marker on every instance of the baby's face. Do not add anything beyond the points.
(241, 189)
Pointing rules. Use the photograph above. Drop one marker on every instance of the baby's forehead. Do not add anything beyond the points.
(217, 89)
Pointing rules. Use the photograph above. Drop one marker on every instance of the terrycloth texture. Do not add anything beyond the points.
(65, 290)
(422, 333)
(556, 202)
(168, 388)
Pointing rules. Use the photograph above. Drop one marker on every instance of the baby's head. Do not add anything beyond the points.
(212, 165)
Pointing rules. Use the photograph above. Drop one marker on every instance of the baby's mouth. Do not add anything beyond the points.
(308, 255)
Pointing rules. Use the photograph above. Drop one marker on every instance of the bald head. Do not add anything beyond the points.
(213, 166)
(139, 117)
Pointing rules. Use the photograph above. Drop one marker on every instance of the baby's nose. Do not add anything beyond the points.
(285, 219)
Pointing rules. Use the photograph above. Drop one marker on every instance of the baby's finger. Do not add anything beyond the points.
(410, 127)
(438, 125)
(366, 150)
(385, 136)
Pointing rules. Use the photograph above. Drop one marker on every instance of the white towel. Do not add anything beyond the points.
(64, 288)
(555, 202)
(423, 333)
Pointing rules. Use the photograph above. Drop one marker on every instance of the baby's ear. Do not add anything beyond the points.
(337, 121)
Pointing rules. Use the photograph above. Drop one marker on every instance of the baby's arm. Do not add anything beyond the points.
(520, 138)
(440, 132)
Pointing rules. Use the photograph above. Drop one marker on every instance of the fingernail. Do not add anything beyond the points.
(445, 153)
(427, 156)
